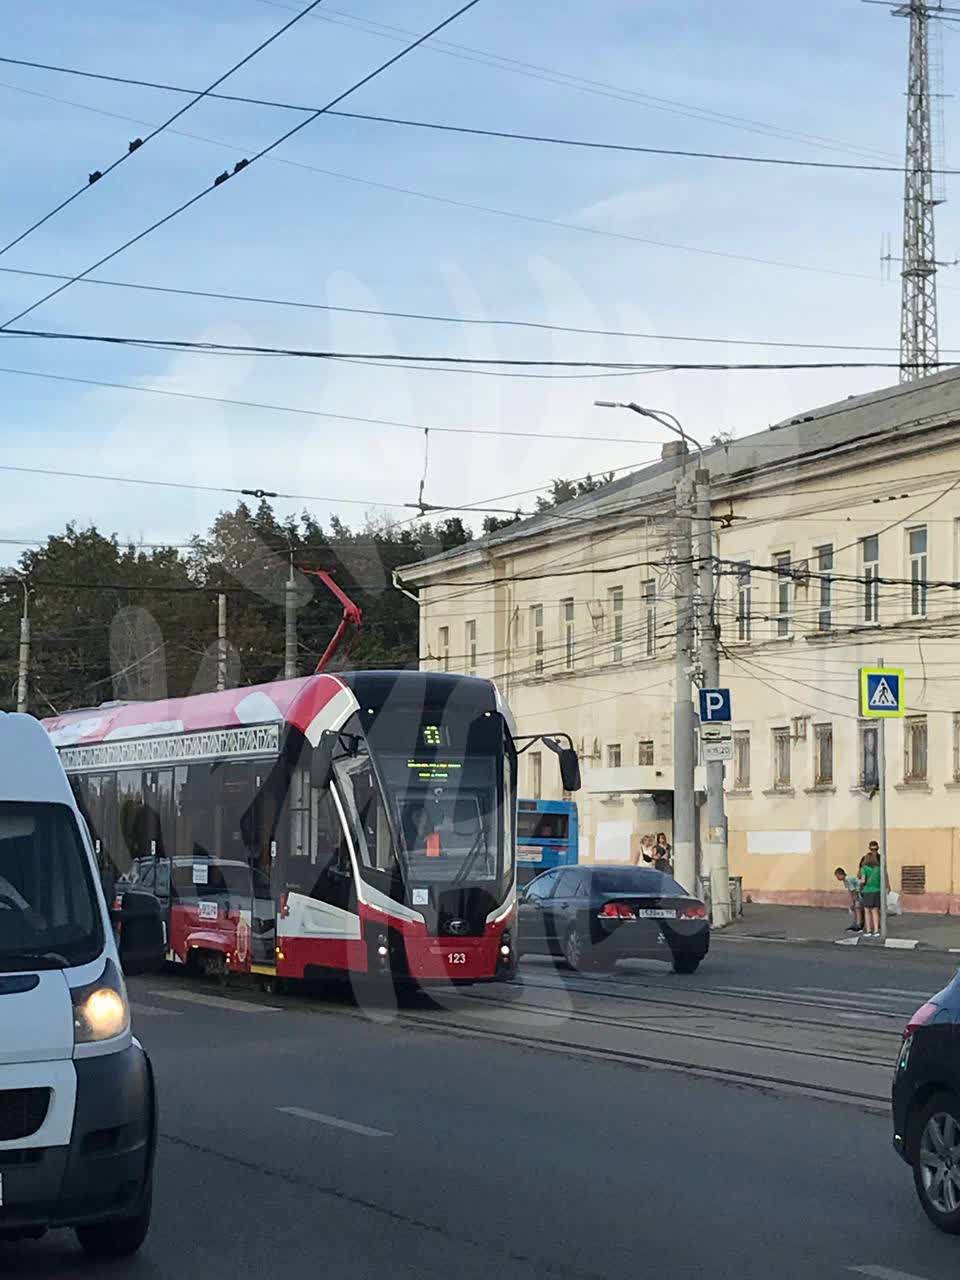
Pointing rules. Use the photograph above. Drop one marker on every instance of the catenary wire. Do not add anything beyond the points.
(243, 164)
(196, 96)
(470, 130)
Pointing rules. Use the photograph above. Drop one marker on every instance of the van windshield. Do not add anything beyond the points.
(49, 912)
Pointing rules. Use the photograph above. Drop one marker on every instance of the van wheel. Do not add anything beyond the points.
(686, 964)
(118, 1239)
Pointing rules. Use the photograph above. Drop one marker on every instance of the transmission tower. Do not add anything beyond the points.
(919, 346)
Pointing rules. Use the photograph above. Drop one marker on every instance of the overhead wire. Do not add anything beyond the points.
(243, 164)
(196, 96)
(470, 130)
(450, 201)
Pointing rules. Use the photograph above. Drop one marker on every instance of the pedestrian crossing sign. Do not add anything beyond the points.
(881, 693)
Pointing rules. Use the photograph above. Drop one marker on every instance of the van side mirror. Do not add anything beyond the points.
(140, 929)
(570, 769)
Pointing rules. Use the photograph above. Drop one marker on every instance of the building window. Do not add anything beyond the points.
(471, 637)
(869, 757)
(536, 632)
(956, 746)
(615, 597)
(823, 755)
(614, 758)
(569, 639)
(781, 599)
(645, 752)
(781, 758)
(917, 546)
(870, 565)
(825, 586)
(744, 602)
(536, 775)
(649, 592)
(915, 749)
(741, 760)
(444, 646)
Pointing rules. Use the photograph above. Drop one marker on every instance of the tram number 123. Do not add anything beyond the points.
(456, 957)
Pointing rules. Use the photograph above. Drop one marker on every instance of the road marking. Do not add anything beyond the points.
(335, 1122)
(902, 944)
(215, 1002)
(885, 1273)
(151, 1011)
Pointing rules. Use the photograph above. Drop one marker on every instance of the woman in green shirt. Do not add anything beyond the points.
(870, 890)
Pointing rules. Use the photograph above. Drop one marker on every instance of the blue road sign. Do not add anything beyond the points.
(881, 692)
(715, 706)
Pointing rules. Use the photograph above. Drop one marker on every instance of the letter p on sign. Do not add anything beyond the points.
(714, 706)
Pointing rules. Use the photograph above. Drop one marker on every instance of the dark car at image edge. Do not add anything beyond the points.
(926, 1105)
(594, 916)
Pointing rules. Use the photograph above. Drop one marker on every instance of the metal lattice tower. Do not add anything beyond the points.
(919, 348)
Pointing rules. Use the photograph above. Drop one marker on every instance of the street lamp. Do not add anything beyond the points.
(658, 415)
(684, 727)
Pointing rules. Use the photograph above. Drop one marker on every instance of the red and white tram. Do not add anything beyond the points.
(360, 822)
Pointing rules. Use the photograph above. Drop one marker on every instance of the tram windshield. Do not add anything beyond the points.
(427, 794)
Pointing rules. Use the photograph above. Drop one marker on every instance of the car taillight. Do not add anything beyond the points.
(696, 911)
(926, 1013)
(617, 911)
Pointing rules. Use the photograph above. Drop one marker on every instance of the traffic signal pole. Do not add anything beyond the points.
(716, 852)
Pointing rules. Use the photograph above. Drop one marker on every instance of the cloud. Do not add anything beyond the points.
(629, 207)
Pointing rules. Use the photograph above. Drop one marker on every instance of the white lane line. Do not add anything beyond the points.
(151, 1011)
(885, 1273)
(215, 1002)
(335, 1122)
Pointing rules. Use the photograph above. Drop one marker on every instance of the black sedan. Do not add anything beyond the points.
(594, 916)
(926, 1105)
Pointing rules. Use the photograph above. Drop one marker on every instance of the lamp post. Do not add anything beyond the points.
(684, 723)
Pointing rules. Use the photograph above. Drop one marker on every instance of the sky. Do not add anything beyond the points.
(364, 215)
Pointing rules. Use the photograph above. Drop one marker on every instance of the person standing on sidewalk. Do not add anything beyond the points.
(871, 887)
(852, 886)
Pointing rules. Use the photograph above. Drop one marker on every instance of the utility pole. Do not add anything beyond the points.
(23, 666)
(221, 641)
(290, 627)
(919, 345)
(716, 859)
(684, 727)
(882, 779)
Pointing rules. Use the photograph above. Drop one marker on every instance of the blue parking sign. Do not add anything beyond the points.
(715, 706)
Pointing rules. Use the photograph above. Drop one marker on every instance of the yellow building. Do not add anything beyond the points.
(837, 544)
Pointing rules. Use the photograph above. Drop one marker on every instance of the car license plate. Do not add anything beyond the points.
(655, 913)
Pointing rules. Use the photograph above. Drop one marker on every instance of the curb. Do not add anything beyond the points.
(892, 944)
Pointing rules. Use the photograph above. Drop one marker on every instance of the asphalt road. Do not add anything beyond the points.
(309, 1136)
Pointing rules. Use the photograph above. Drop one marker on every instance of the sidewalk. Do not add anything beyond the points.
(828, 924)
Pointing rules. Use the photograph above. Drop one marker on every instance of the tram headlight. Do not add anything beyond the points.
(505, 943)
(100, 1009)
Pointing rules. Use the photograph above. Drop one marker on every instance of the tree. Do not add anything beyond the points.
(566, 490)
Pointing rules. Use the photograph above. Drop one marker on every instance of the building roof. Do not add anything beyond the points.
(899, 411)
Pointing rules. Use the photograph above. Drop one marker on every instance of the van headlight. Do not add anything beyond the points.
(100, 1009)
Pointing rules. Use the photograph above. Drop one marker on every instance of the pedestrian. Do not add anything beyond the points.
(662, 851)
(646, 856)
(870, 890)
(852, 886)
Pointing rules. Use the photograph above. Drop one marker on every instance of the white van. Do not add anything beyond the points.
(78, 1118)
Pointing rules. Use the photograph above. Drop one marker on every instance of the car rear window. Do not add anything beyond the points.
(636, 880)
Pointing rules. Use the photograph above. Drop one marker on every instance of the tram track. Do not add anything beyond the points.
(656, 1029)
(622, 993)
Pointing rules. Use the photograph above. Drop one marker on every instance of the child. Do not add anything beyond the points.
(852, 885)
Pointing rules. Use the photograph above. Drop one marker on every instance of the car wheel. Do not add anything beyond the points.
(577, 951)
(936, 1161)
(120, 1238)
(686, 964)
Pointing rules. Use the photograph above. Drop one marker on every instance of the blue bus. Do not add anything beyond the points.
(547, 836)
